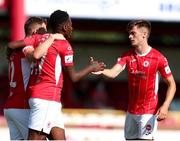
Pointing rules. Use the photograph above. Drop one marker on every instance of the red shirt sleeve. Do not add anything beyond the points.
(122, 60)
(164, 68)
(30, 41)
(66, 53)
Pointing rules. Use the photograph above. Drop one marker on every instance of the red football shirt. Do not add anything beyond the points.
(143, 79)
(19, 73)
(47, 77)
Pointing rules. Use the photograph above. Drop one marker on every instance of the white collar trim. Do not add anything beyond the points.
(144, 54)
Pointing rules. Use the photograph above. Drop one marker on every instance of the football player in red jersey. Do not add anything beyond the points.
(46, 89)
(16, 110)
(143, 64)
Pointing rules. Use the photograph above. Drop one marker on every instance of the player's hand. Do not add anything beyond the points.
(162, 113)
(28, 50)
(96, 66)
(97, 73)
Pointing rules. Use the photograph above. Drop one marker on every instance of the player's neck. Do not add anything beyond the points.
(141, 50)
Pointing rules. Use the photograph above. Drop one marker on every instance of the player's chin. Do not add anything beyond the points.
(133, 43)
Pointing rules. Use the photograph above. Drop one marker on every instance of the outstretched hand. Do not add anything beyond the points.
(97, 67)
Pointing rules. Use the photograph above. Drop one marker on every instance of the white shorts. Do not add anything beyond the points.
(17, 120)
(140, 126)
(45, 115)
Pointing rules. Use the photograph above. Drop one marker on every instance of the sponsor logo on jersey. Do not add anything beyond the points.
(68, 58)
(167, 70)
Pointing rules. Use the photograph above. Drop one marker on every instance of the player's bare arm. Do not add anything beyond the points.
(42, 48)
(16, 44)
(94, 66)
(111, 73)
(163, 110)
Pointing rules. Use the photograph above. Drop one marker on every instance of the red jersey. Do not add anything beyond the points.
(19, 73)
(143, 79)
(47, 77)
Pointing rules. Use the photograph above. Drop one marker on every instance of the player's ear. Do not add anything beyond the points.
(144, 34)
(64, 28)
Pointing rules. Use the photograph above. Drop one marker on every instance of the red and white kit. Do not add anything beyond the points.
(16, 108)
(141, 121)
(143, 79)
(46, 84)
(19, 73)
(48, 70)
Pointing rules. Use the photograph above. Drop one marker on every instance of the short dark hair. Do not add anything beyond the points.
(139, 23)
(57, 18)
(33, 20)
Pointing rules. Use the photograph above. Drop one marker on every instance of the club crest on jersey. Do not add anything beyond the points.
(146, 63)
(68, 58)
(148, 129)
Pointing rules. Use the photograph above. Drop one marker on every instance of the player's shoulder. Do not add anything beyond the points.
(37, 36)
(63, 44)
(157, 53)
(33, 37)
